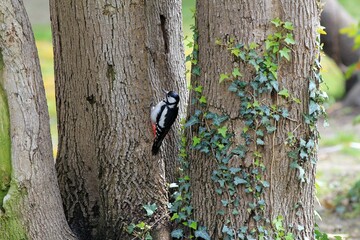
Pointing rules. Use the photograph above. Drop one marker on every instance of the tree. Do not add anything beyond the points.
(253, 135)
(340, 47)
(30, 204)
(112, 60)
(253, 147)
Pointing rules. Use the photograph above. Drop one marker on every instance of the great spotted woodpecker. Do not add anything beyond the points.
(163, 116)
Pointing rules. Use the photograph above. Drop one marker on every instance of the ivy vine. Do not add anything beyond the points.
(260, 118)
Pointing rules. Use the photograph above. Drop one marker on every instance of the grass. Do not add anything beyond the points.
(353, 7)
(42, 32)
(188, 13)
(334, 81)
(45, 50)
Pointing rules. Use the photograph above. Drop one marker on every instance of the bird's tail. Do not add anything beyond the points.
(157, 142)
(156, 145)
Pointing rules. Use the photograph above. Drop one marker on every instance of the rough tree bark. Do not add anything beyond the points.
(30, 202)
(112, 59)
(249, 21)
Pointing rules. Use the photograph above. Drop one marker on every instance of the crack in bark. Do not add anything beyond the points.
(164, 33)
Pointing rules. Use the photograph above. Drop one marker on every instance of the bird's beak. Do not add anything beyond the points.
(166, 92)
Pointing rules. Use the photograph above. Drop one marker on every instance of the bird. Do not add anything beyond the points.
(163, 116)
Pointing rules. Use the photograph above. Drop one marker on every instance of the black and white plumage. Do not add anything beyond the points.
(163, 116)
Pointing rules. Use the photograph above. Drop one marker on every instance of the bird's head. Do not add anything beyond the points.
(172, 97)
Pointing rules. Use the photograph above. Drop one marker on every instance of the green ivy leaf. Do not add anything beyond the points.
(221, 212)
(201, 233)
(321, 30)
(174, 217)
(278, 35)
(150, 209)
(301, 170)
(253, 45)
(265, 184)
(289, 236)
(192, 121)
(313, 107)
(270, 43)
(260, 141)
(141, 225)
(238, 180)
(203, 99)
(228, 231)
(220, 146)
(218, 42)
(217, 120)
(234, 170)
(297, 100)
(130, 228)
(289, 39)
(223, 77)
(254, 64)
(224, 202)
(276, 22)
(302, 142)
(222, 131)
(236, 72)
(289, 26)
(240, 151)
(284, 52)
(300, 228)
(193, 224)
(198, 89)
(285, 113)
(235, 212)
(310, 144)
(284, 93)
(177, 233)
(196, 70)
(218, 191)
(270, 128)
(235, 51)
(303, 154)
(275, 85)
(260, 133)
(148, 236)
(196, 141)
(233, 87)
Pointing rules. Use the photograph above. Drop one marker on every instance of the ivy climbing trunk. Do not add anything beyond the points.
(112, 60)
(253, 153)
(30, 202)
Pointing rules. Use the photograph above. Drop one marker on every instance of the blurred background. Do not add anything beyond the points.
(338, 171)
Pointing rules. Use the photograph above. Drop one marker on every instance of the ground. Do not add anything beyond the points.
(337, 169)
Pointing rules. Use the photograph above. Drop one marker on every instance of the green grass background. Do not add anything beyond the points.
(334, 80)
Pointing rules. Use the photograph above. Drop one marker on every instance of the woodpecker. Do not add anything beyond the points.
(163, 116)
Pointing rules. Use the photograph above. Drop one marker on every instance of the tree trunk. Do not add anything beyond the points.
(30, 199)
(242, 179)
(340, 47)
(113, 59)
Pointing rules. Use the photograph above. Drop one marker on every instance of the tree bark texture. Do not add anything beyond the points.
(32, 207)
(112, 59)
(249, 21)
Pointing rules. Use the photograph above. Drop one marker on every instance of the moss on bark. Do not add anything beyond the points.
(5, 142)
(11, 226)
